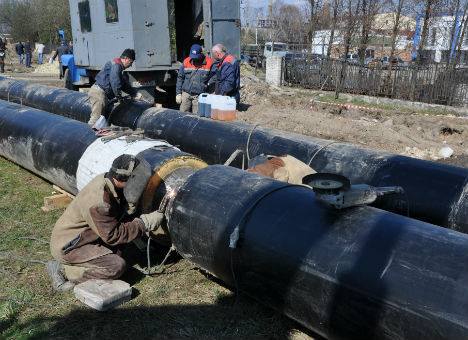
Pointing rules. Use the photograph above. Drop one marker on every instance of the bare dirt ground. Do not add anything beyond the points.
(418, 131)
(47, 74)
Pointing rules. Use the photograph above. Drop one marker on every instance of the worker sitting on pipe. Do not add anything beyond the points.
(282, 168)
(87, 239)
(110, 82)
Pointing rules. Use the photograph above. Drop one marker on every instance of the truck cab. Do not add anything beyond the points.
(160, 31)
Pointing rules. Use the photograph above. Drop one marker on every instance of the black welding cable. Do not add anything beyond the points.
(162, 209)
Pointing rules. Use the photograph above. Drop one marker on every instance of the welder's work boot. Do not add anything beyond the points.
(59, 281)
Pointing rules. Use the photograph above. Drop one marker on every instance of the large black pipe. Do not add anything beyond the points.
(361, 273)
(355, 273)
(46, 144)
(71, 104)
(435, 193)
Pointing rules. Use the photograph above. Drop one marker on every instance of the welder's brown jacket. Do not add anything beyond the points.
(94, 221)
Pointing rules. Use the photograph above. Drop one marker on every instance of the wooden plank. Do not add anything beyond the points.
(62, 191)
(55, 202)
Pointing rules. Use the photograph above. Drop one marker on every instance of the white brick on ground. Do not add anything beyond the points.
(274, 70)
(103, 294)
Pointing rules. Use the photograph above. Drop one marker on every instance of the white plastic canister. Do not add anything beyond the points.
(208, 104)
(202, 104)
(227, 108)
(216, 103)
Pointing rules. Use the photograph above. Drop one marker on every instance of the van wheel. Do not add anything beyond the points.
(68, 81)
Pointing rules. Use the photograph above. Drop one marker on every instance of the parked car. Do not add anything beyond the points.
(393, 63)
(352, 58)
(245, 59)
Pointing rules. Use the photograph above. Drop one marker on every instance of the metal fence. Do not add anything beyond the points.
(433, 83)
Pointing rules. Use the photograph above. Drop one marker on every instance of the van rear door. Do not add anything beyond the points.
(82, 30)
(151, 33)
(222, 24)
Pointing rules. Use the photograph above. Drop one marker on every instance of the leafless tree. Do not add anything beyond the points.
(428, 9)
(463, 29)
(455, 11)
(396, 27)
(353, 8)
(369, 8)
(313, 11)
(19, 17)
(51, 16)
(290, 24)
(337, 5)
(35, 19)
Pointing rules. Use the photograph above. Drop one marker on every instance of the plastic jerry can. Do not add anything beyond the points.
(227, 108)
(202, 104)
(215, 106)
(208, 103)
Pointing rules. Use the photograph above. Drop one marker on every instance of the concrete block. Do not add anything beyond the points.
(274, 70)
(103, 294)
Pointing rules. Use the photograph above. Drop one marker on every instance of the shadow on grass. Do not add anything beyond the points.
(220, 320)
(226, 317)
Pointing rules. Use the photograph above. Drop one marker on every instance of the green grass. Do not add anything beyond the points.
(182, 302)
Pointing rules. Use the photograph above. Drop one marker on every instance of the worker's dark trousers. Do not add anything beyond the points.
(28, 59)
(107, 267)
(2, 65)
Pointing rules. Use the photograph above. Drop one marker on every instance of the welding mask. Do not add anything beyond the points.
(136, 184)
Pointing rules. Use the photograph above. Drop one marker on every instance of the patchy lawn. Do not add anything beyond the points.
(181, 302)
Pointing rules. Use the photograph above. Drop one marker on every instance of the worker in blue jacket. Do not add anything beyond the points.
(110, 82)
(227, 73)
(194, 76)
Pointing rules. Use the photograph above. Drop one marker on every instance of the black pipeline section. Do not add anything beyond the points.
(51, 146)
(355, 273)
(360, 273)
(435, 193)
(46, 144)
(71, 104)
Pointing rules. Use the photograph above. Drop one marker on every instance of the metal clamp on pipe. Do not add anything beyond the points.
(337, 191)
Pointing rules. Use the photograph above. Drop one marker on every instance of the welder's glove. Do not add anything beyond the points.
(138, 96)
(178, 98)
(153, 220)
